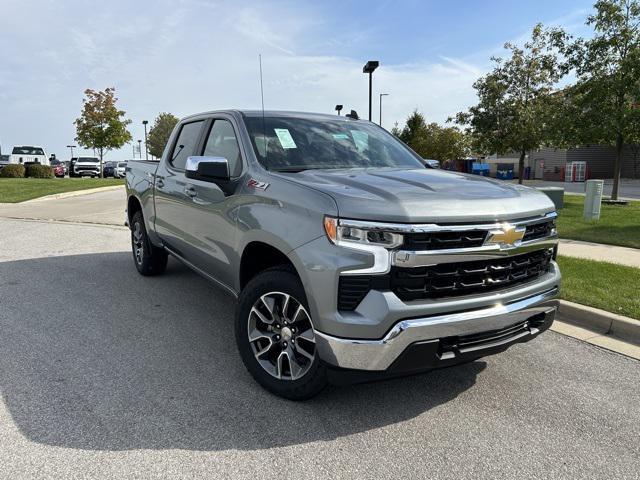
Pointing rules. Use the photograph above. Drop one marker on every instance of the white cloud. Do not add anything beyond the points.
(195, 55)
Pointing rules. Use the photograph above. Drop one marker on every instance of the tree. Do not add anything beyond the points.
(516, 98)
(101, 125)
(606, 96)
(430, 140)
(160, 132)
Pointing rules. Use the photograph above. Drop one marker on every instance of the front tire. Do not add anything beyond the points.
(149, 260)
(275, 335)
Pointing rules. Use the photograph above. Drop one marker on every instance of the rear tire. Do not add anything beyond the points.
(148, 259)
(275, 335)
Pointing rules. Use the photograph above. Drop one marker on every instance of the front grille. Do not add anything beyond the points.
(538, 230)
(466, 278)
(444, 240)
(86, 167)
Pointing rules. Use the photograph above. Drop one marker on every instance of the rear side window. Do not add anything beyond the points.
(186, 144)
(222, 142)
(27, 151)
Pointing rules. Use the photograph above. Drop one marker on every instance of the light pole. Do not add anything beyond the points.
(369, 68)
(381, 95)
(71, 147)
(140, 148)
(146, 149)
(338, 108)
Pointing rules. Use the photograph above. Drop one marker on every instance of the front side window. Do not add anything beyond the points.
(186, 144)
(296, 144)
(222, 142)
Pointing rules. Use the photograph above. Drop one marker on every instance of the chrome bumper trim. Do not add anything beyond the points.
(411, 258)
(378, 355)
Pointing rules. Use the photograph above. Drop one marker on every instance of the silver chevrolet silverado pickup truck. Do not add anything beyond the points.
(349, 257)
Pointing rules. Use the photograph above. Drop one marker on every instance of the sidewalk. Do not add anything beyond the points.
(105, 206)
(603, 253)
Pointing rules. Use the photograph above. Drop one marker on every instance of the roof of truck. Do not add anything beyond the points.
(274, 113)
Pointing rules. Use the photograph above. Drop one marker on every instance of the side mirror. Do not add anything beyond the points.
(207, 169)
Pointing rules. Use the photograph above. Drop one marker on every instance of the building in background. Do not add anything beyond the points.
(551, 163)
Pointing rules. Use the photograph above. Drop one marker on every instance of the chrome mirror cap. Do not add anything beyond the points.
(207, 168)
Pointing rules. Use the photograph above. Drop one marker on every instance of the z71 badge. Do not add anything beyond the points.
(253, 183)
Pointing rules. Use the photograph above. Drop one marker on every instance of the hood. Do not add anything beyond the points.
(423, 195)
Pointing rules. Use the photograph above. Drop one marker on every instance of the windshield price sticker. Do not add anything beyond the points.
(286, 140)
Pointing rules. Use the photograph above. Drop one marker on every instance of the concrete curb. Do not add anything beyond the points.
(75, 193)
(624, 328)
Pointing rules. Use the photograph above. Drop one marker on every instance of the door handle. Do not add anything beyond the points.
(190, 192)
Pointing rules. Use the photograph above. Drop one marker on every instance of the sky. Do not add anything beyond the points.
(189, 56)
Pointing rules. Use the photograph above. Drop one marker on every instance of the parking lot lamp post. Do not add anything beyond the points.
(381, 95)
(71, 147)
(369, 68)
(140, 148)
(338, 108)
(146, 150)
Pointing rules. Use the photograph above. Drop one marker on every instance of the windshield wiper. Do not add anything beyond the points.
(301, 168)
(294, 169)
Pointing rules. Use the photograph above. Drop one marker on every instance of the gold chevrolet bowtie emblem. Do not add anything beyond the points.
(508, 236)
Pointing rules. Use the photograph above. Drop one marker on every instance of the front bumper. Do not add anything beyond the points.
(441, 340)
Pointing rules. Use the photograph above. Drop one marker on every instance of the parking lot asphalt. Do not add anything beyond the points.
(106, 374)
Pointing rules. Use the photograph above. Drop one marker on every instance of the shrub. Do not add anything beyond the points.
(13, 170)
(39, 171)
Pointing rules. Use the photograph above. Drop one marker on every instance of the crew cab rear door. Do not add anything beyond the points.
(173, 204)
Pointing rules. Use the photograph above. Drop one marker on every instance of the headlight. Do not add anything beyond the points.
(343, 233)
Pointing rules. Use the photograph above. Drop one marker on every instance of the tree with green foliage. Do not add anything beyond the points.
(604, 104)
(430, 140)
(160, 132)
(516, 98)
(101, 125)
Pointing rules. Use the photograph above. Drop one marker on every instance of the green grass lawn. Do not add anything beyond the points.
(13, 190)
(618, 224)
(602, 285)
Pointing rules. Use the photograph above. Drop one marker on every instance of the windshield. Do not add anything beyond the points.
(27, 151)
(296, 144)
(88, 160)
(122, 164)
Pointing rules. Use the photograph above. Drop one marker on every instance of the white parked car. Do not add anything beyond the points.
(120, 170)
(22, 154)
(86, 167)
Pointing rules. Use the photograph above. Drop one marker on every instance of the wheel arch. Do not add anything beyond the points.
(258, 256)
(133, 206)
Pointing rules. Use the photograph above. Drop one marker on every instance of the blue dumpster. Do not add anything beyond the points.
(505, 171)
(480, 169)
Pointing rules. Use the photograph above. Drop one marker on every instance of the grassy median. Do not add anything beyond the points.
(618, 224)
(13, 190)
(602, 285)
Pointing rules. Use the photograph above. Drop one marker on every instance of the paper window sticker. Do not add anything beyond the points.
(286, 140)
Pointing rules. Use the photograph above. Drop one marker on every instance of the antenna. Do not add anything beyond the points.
(264, 128)
(261, 87)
